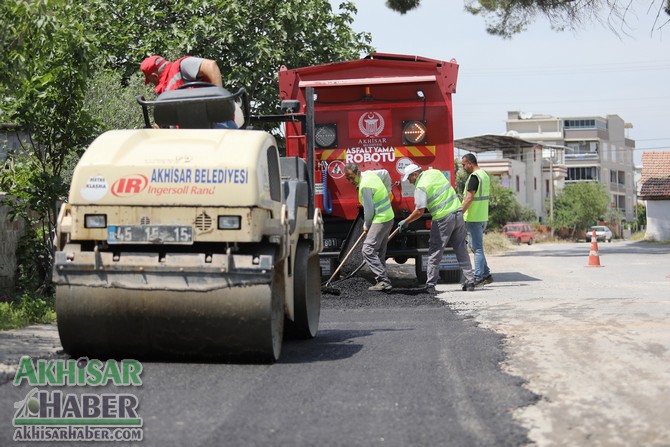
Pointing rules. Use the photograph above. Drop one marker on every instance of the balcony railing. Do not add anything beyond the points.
(582, 156)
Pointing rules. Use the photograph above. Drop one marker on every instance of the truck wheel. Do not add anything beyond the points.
(530, 241)
(421, 276)
(307, 293)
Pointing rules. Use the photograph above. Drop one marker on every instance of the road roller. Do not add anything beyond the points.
(184, 240)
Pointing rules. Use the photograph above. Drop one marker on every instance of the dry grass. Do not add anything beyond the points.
(495, 243)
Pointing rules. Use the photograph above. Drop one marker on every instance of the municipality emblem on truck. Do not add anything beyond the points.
(371, 124)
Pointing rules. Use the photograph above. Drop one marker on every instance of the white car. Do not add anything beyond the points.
(602, 234)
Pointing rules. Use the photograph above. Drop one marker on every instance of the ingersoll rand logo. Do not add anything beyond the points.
(129, 185)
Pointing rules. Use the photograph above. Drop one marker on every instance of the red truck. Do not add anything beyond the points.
(384, 111)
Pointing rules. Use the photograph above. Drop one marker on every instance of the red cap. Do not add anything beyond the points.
(151, 65)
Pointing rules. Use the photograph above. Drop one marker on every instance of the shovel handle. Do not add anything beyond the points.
(363, 263)
(391, 236)
(345, 259)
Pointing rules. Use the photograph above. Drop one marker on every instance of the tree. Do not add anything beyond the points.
(641, 215)
(402, 6)
(49, 49)
(506, 18)
(46, 61)
(579, 205)
(119, 110)
(504, 206)
(250, 40)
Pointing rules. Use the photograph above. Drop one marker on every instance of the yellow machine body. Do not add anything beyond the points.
(186, 242)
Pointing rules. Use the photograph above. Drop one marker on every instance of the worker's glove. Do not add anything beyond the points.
(402, 226)
(365, 228)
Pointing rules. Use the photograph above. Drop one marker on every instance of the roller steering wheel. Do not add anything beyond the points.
(195, 84)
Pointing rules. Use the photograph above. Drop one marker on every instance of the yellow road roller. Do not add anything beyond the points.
(187, 241)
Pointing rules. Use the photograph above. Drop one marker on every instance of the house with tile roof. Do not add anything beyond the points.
(655, 190)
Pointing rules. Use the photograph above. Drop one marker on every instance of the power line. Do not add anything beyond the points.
(563, 69)
(651, 148)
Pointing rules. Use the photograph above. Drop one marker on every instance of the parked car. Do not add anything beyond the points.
(519, 232)
(602, 234)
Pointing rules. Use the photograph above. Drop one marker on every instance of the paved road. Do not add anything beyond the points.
(584, 355)
(398, 376)
(593, 342)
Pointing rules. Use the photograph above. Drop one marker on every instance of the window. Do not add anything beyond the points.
(621, 203)
(273, 174)
(582, 150)
(518, 188)
(584, 124)
(618, 178)
(546, 193)
(589, 173)
(579, 124)
(535, 183)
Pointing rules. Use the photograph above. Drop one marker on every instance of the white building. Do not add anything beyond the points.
(598, 150)
(655, 190)
(535, 171)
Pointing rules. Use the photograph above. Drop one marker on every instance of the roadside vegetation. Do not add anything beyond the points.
(496, 243)
(26, 310)
(69, 70)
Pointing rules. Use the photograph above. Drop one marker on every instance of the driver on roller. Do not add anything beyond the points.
(166, 75)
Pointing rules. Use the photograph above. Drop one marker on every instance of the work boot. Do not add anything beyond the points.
(430, 288)
(380, 286)
(468, 286)
(488, 279)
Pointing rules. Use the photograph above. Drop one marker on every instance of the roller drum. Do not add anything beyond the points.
(245, 322)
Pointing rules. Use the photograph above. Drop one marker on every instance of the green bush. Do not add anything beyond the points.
(27, 310)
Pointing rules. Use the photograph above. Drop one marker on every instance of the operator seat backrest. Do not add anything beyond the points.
(293, 167)
(194, 108)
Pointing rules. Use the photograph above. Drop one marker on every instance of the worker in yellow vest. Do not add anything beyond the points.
(433, 192)
(374, 188)
(476, 214)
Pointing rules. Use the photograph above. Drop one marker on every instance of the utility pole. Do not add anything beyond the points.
(551, 191)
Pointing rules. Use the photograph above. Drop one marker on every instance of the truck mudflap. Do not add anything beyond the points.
(185, 306)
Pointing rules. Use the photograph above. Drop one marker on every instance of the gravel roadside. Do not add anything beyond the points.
(38, 341)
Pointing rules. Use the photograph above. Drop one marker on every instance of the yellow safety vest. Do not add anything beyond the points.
(442, 198)
(382, 203)
(478, 211)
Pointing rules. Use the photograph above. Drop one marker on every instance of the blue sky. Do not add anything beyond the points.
(591, 71)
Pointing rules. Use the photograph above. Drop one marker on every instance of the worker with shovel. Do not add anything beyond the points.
(433, 192)
(374, 194)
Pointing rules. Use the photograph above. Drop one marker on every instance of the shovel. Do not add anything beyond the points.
(334, 291)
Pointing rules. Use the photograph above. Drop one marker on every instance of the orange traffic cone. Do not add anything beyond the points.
(594, 258)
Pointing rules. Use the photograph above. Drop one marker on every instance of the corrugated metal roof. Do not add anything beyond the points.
(483, 143)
